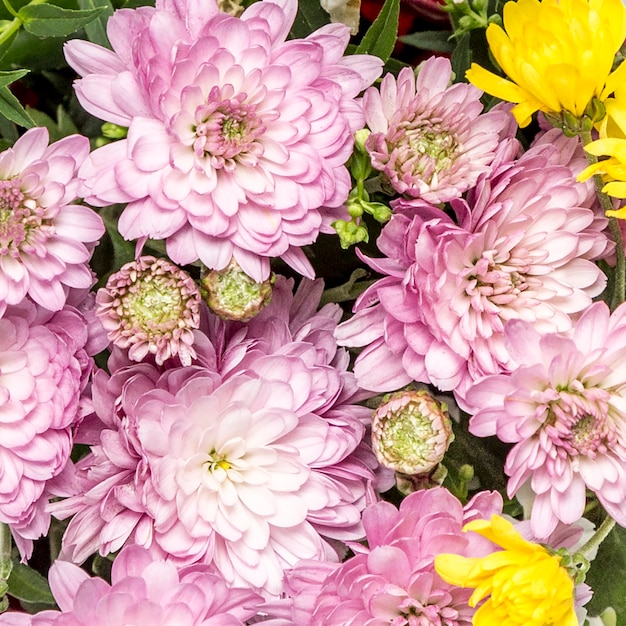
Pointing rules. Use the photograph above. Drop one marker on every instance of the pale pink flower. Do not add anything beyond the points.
(429, 138)
(237, 139)
(143, 590)
(246, 460)
(151, 307)
(563, 407)
(523, 248)
(392, 580)
(45, 241)
(43, 370)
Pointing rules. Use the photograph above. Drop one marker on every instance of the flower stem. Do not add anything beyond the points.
(619, 284)
(599, 536)
(6, 544)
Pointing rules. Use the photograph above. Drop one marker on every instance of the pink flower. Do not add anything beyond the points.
(150, 306)
(393, 580)
(143, 590)
(45, 242)
(237, 139)
(429, 138)
(244, 460)
(43, 369)
(563, 407)
(523, 248)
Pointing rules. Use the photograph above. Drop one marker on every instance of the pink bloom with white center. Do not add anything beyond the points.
(393, 579)
(143, 590)
(244, 461)
(43, 370)
(563, 407)
(237, 139)
(524, 248)
(430, 139)
(45, 241)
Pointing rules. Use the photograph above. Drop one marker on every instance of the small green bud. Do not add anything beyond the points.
(113, 131)
(411, 432)
(350, 233)
(233, 295)
(379, 211)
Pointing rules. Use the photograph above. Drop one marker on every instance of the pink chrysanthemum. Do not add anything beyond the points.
(523, 248)
(151, 306)
(143, 590)
(242, 461)
(429, 138)
(393, 580)
(237, 139)
(43, 370)
(45, 242)
(564, 408)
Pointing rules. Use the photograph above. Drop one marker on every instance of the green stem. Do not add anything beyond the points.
(599, 536)
(619, 285)
(6, 545)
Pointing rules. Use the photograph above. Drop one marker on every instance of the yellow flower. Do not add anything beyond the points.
(557, 53)
(612, 144)
(526, 585)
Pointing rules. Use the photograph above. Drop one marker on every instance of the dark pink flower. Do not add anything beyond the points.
(563, 408)
(523, 247)
(143, 590)
(393, 580)
(430, 139)
(43, 370)
(45, 241)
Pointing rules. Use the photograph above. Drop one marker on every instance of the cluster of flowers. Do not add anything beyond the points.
(229, 461)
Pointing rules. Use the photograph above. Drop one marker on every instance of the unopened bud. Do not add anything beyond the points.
(233, 295)
(411, 432)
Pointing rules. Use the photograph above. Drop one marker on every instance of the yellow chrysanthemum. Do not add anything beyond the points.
(612, 144)
(524, 583)
(558, 55)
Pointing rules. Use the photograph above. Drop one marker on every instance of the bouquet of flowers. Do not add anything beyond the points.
(312, 314)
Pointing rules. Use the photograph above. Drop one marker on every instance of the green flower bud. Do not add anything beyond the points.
(411, 432)
(233, 295)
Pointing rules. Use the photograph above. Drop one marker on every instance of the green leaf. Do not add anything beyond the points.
(433, 40)
(96, 30)
(11, 108)
(309, 18)
(461, 58)
(6, 78)
(380, 38)
(605, 576)
(48, 20)
(30, 586)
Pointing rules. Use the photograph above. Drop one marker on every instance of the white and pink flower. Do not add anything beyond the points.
(247, 460)
(237, 139)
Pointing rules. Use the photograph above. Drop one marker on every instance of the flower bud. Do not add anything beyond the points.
(411, 432)
(233, 295)
(151, 306)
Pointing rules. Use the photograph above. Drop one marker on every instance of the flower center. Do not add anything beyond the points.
(499, 283)
(579, 423)
(420, 146)
(20, 219)
(227, 128)
(152, 305)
